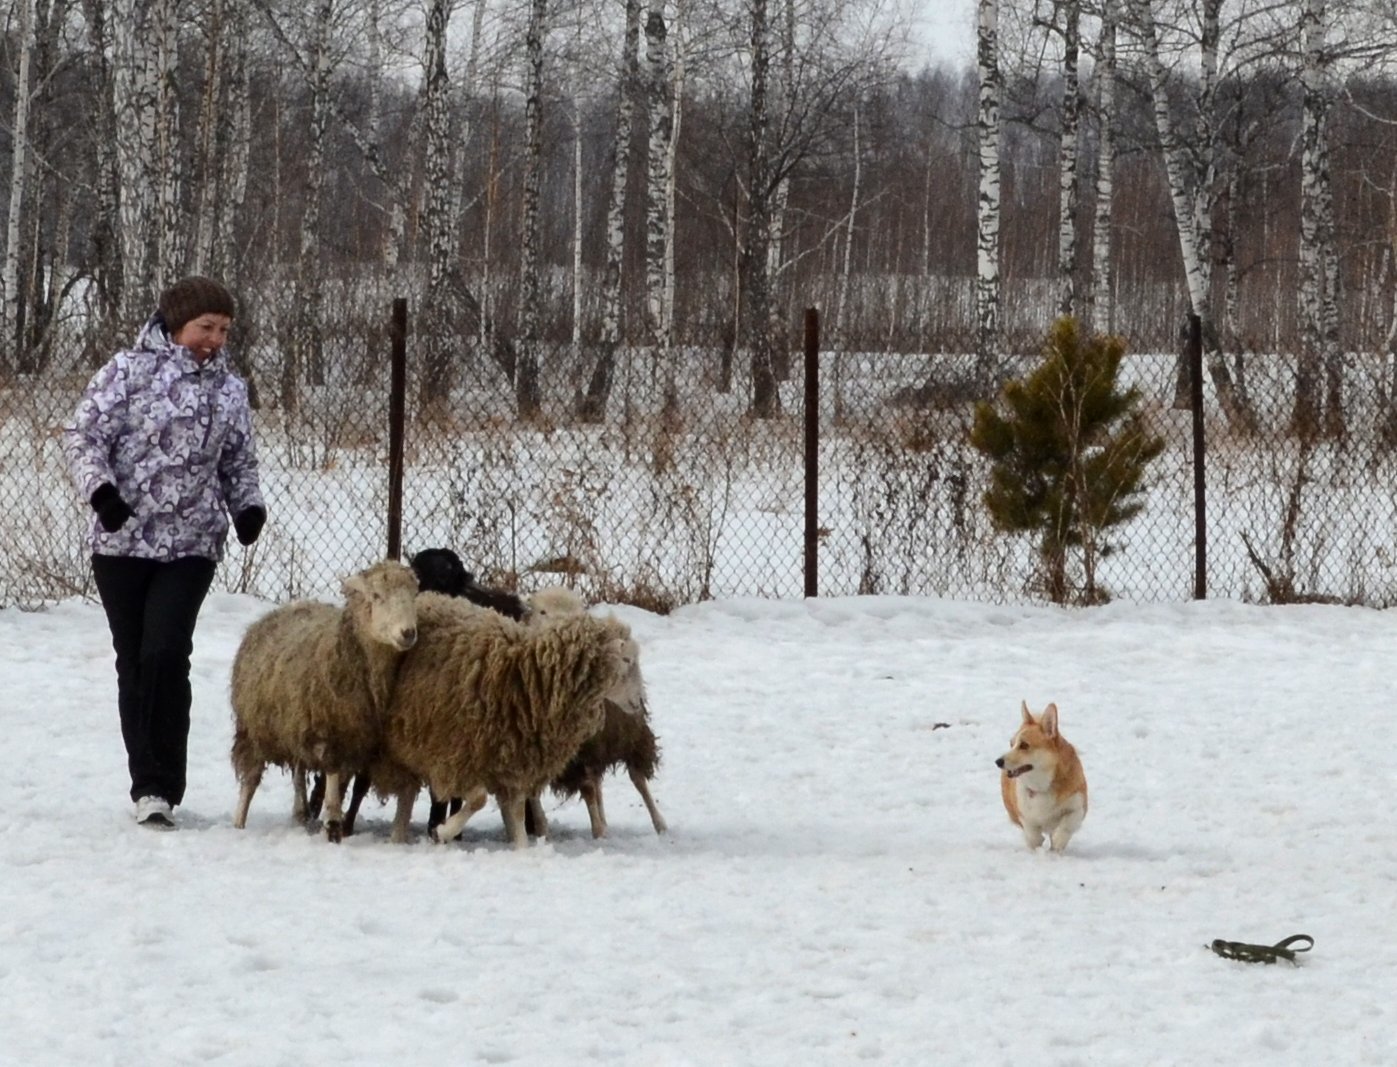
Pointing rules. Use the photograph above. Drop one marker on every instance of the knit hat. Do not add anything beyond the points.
(191, 297)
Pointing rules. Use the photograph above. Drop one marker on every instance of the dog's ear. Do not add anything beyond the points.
(1049, 720)
(1027, 715)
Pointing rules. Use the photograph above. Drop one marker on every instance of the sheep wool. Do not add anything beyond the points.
(484, 703)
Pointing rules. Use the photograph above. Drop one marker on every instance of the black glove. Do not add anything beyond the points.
(112, 511)
(248, 524)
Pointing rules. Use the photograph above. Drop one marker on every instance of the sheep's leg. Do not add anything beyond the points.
(643, 788)
(452, 827)
(360, 790)
(403, 815)
(316, 801)
(298, 794)
(334, 806)
(535, 821)
(591, 796)
(245, 791)
(512, 808)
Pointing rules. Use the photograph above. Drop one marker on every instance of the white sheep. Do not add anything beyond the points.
(311, 683)
(484, 705)
(625, 739)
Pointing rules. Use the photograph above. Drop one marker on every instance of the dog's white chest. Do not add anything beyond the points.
(1041, 807)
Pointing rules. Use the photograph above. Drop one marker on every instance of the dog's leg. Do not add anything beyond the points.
(1066, 827)
(1033, 834)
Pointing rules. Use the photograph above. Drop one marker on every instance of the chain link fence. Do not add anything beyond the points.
(677, 494)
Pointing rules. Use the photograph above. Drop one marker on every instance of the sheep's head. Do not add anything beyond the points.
(555, 601)
(440, 570)
(383, 601)
(628, 692)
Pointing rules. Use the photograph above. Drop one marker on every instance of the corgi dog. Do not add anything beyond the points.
(1042, 782)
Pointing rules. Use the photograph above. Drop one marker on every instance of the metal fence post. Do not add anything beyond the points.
(812, 451)
(1200, 500)
(397, 404)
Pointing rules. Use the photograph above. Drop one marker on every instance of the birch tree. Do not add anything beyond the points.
(592, 407)
(1319, 346)
(106, 224)
(1069, 180)
(1189, 190)
(659, 110)
(135, 78)
(1100, 310)
(171, 238)
(766, 401)
(437, 215)
(10, 340)
(527, 395)
(305, 354)
(987, 295)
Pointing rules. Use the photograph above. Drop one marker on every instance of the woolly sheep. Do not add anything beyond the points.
(485, 706)
(438, 570)
(311, 682)
(626, 738)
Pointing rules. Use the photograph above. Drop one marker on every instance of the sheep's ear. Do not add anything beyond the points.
(1049, 720)
(1027, 715)
(353, 584)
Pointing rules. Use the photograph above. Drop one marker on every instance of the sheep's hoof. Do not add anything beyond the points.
(334, 831)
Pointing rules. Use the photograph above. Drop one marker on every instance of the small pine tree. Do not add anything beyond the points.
(1069, 454)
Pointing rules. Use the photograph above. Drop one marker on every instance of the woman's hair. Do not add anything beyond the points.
(191, 297)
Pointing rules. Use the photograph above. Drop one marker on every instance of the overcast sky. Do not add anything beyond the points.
(945, 31)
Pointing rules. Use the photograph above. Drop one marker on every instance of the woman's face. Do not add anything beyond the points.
(204, 334)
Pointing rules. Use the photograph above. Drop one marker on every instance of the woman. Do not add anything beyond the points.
(161, 446)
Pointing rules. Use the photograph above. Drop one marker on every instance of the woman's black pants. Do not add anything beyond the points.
(151, 608)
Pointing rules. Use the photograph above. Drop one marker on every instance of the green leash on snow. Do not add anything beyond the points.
(1281, 950)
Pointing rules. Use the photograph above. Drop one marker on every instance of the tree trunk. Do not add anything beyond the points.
(527, 390)
(135, 80)
(987, 295)
(435, 319)
(106, 225)
(1192, 229)
(1068, 171)
(10, 336)
(170, 229)
(1102, 317)
(766, 401)
(594, 402)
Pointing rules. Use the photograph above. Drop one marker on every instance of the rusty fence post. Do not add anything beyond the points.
(1200, 499)
(397, 404)
(812, 452)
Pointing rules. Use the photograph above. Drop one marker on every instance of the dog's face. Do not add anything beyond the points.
(1034, 746)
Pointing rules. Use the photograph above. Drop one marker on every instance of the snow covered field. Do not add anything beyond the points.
(840, 884)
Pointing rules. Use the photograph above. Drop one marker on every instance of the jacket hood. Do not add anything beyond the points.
(154, 336)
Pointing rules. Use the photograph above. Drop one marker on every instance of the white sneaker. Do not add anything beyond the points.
(155, 812)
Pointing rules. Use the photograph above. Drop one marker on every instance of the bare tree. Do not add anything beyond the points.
(1100, 309)
(592, 407)
(1190, 189)
(987, 295)
(11, 312)
(1069, 177)
(1318, 264)
(527, 394)
(765, 400)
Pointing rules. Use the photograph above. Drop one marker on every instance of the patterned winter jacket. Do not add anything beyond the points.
(175, 438)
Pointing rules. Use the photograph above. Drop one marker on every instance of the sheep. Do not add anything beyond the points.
(311, 682)
(438, 570)
(486, 706)
(626, 738)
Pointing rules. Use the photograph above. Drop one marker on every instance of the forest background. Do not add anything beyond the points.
(608, 220)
